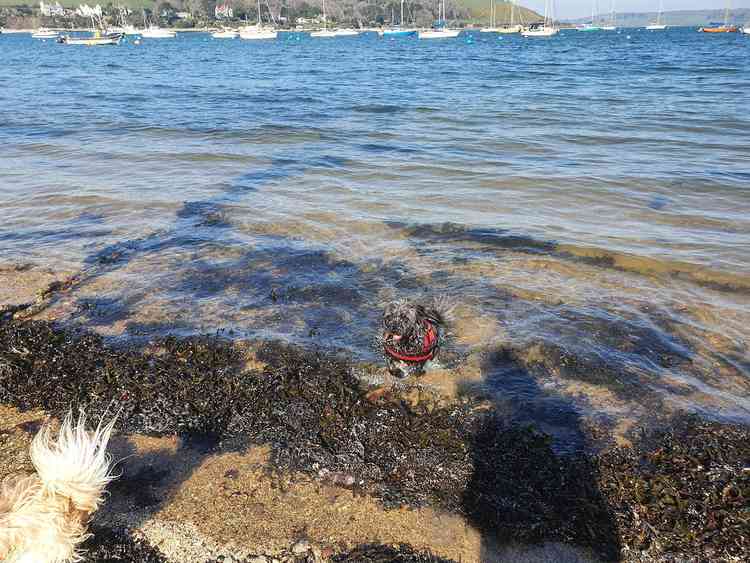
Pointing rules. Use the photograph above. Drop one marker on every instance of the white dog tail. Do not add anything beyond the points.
(76, 466)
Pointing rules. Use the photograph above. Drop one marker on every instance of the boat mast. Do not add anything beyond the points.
(658, 16)
(726, 13)
(260, 23)
(325, 19)
(401, 21)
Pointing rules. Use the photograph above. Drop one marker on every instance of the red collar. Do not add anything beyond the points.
(429, 347)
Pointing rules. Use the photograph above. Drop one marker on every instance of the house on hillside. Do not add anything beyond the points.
(223, 12)
(51, 10)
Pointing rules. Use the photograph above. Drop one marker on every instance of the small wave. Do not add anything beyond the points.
(378, 108)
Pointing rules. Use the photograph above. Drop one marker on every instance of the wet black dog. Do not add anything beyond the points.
(412, 335)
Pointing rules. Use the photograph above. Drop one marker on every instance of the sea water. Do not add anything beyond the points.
(583, 201)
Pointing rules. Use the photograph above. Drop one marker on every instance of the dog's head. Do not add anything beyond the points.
(401, 319)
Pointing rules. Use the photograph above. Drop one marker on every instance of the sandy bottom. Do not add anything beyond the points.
(193, 507)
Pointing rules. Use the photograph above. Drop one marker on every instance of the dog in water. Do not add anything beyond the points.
(43, 517)
(412, 335)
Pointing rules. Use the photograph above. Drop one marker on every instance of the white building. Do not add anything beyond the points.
(223, 12)
(50, 10)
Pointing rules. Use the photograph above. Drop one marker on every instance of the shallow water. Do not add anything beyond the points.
(584, 201)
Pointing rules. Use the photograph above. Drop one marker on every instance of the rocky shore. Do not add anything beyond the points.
(258, 451)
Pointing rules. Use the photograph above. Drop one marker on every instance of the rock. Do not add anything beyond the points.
(301, 547)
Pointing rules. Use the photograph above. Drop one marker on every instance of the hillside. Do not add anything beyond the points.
(695, 18)
(480, 11)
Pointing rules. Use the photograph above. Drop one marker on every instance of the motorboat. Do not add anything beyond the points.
(225, 34)
(156, 32)
(44, 33)
(96, 39)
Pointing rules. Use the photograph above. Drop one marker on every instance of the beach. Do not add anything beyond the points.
(202, 235)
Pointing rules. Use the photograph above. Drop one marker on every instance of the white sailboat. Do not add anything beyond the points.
(513, 27)
(325, 32)
(439, 31)
(612, 25)
(547, 28)
(400, 30)
(492, 27)
(153, 31)
(257, 31)
(591, 26)
(657, 25)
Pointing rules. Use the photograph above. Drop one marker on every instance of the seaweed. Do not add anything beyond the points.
(683, 492)
(377, 553)
(110, 546)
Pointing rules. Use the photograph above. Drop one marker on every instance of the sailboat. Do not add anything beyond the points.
(612, 25)
(439, 31)
(591, 26)
(325, 32)
(657, 25)
(400, 30)
(258, 31)
(513, 27)
(546, 28)
(726, 28)
(153, 31)
(492, 27)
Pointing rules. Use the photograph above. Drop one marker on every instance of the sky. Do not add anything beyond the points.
(582, 8)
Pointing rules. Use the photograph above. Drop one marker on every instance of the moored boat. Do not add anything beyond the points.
(345, 32)
(398, 32)
(95, 40)
(44, 33)
(156, 32)
(257, 31)
(225, 34)
(439, 33)
(657, 25)
(592, 25)
(722, 28)
(546, 28)
(439, 30)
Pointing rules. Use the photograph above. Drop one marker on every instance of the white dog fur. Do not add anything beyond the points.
(43, 517)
